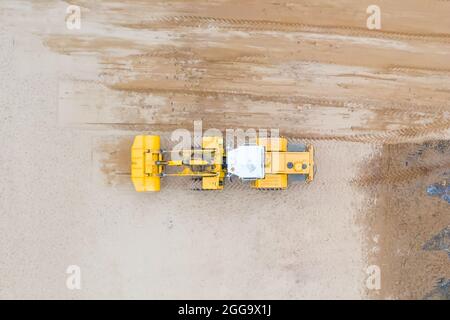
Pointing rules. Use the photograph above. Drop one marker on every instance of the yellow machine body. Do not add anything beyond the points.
(276, 164)
(148, 163)
(281, 163)
(145, 173)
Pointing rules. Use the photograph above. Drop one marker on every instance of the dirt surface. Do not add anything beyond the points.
(402, 218)
(375, 104)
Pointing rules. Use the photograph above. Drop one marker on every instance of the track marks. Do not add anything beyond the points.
(270, 25)
(430, 159)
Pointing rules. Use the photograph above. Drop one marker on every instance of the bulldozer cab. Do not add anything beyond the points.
(246, 162)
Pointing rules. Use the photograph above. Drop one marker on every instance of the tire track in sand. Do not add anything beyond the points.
(270, 25)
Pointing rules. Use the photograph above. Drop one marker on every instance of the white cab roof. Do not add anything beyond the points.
(246, 162)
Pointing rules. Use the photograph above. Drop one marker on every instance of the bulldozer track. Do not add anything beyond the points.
(263, 58)
(413, 134)
(270, 25)
(394, 136)
(230, 93)
(429, 158)
(409, 69)
(280, 98)
(397, 176)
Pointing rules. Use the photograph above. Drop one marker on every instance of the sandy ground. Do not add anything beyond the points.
(403, 219)
(73, 99)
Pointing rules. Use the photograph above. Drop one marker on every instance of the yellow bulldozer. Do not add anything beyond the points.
(270, 163)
